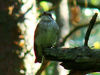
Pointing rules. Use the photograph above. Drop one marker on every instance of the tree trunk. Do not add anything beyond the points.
(10, 63)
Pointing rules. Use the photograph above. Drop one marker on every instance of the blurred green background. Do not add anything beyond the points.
(18, 19)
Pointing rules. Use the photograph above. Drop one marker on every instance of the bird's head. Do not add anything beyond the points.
(46, 16)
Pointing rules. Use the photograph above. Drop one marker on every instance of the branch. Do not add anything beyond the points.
(71, 32)
(92, 22)
(78, 58)
(74, 30)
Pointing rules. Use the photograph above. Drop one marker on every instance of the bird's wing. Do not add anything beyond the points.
(38, 57)
(37, 48)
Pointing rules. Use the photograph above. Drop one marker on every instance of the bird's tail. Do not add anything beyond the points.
(37, 53)
(44, 64)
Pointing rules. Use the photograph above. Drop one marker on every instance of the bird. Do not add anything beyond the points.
(45, 36)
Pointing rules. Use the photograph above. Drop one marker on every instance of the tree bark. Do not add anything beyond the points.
(78, 58)
(10, 63)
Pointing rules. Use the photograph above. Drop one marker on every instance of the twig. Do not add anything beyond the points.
(86, 3)
(92, 22)
(70, 33)
(43, 66)
(74, 30)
